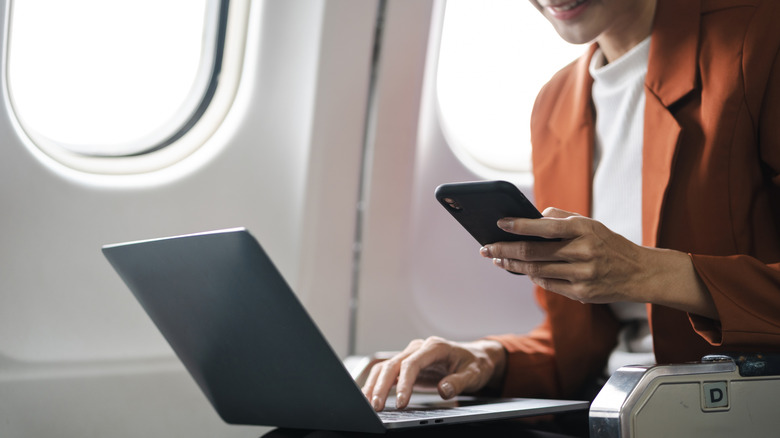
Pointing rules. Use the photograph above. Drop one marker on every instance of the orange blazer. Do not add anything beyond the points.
(711, 188)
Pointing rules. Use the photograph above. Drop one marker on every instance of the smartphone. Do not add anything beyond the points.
(479, 205)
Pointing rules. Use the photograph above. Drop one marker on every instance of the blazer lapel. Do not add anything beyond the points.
(671, 75)
(569, 157)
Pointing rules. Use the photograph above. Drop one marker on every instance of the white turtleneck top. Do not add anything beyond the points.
(619, 99)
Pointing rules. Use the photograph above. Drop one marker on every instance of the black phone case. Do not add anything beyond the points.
(479, 205)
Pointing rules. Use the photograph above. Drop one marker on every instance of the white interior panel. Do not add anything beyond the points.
(421, 274)
(285, 164)
(288, 162)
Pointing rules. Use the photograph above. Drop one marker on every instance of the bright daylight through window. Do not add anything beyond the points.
(109, 78)
(494, 57)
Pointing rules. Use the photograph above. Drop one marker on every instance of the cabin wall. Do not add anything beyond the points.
(78, 356)
(335, 181)
(421, 274)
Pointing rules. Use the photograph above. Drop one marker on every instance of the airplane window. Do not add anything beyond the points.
(97, 78)
(494, 56)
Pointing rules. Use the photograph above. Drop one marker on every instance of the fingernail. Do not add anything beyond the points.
(376, 403)
(505, 224)
(499, 262)
(484, 251)
(400, 400)
(447, 391)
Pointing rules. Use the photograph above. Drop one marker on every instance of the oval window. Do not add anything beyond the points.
(494, 58)
(96, 78)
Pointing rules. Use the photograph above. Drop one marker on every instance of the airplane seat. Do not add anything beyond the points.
(720, 396)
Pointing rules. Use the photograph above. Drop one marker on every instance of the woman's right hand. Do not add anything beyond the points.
(452, 367)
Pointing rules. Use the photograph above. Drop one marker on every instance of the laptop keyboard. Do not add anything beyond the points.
(421, 414)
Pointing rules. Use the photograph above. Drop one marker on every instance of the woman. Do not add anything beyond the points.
(664, 137)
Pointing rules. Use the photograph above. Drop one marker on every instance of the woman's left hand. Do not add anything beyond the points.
(592, 264)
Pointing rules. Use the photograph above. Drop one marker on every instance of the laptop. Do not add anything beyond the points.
(254, 351)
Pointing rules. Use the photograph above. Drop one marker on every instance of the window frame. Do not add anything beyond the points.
(171, 145)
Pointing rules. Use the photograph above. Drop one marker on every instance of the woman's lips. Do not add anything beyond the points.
(568, 10)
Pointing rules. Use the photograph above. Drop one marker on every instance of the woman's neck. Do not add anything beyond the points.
(626, 34)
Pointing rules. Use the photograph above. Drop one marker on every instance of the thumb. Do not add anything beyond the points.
(456, 383)
(557, 213)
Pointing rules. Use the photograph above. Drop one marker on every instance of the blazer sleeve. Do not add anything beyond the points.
(530, 368)
(564, 355)
(746, 293)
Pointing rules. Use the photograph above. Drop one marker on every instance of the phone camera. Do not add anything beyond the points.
(453, 204)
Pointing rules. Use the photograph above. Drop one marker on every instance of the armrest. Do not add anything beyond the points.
(721, 396)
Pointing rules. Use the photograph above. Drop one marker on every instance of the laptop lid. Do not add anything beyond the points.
(248, 342)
